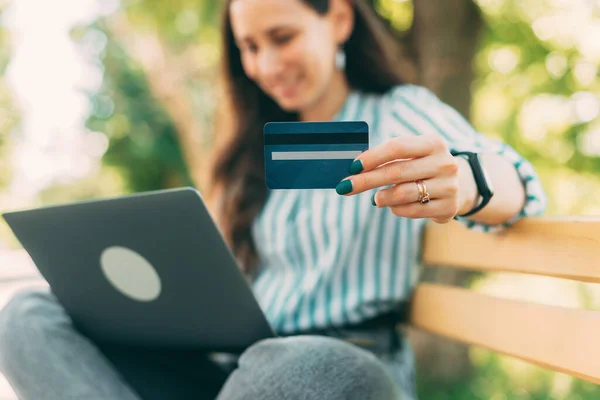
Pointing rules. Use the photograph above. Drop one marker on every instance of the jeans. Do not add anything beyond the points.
(44, 357)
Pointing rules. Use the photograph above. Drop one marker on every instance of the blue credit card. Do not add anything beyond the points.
(312, 155)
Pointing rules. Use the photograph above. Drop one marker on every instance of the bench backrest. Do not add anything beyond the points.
(559, 338)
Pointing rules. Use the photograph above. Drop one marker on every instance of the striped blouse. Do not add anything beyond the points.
(329, 260)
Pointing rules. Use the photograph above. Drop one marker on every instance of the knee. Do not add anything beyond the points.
(25, 323)
(314, 367)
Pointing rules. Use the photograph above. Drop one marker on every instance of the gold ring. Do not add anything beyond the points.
(423, 194)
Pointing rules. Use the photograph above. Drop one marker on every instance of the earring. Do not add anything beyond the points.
(340, 59)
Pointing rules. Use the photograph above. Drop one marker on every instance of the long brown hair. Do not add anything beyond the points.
(237, 186)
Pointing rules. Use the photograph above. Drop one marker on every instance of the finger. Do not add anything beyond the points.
(442, 220)
(405, 147)
(439, 209)
(404, 171)
(408, 192)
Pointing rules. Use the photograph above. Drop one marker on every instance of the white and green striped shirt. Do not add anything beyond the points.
(328, 260)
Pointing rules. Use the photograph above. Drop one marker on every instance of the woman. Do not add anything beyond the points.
(331, 269)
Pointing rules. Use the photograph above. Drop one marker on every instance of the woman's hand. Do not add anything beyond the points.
(403, 162)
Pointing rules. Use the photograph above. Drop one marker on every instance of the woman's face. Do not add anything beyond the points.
(287, 48)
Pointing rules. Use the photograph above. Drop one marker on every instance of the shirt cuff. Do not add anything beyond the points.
(535, 196)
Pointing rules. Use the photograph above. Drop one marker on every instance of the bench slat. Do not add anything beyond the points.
(564, 248)
(562, 339)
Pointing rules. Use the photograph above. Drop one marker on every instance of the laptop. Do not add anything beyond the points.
(148, 269)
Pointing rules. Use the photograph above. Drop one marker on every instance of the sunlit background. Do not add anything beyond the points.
(101, 98)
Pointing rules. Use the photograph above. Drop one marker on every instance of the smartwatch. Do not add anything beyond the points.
(484, 184)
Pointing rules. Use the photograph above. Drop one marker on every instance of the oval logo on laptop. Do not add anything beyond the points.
(130, 273)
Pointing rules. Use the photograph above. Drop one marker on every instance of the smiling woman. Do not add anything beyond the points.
(282, 51)
(281, 62)
(332, 269)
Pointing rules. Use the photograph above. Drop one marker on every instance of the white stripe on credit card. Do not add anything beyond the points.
(315, 155)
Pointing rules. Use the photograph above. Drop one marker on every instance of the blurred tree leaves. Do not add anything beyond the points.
(532, 90)
(143, 143)
(8, 121)
(180, 22)
(8, 114)
(160, 64)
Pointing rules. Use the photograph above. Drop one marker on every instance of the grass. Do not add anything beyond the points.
(498, 377)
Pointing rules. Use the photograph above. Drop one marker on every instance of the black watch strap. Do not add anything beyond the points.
(483, 184)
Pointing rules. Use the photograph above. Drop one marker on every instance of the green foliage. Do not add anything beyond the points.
(528, 91)
(142, 137)
(399, 14)
(8, 115)
(143, 140)
(180, 22)
(494, 380)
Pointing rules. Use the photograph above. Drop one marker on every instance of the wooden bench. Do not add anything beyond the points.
(558, 338)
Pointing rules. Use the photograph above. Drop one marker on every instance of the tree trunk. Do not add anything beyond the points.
(445, 38)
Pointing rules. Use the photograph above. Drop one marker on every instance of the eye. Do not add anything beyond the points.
(248, 47)
(283, 39)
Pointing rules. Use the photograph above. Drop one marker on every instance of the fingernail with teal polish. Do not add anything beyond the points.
(356, 167)
(373, 199)
(344, 187)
